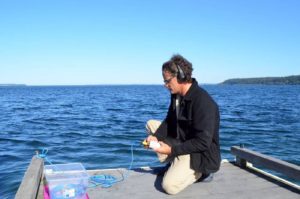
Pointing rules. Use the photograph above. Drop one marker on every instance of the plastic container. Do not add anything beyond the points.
(66, 181)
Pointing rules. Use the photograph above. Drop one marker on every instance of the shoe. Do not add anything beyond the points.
(160, 171)
(206, 177)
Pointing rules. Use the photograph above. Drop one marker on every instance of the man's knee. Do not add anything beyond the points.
(170, 187)
(149, 123)
(152, 125)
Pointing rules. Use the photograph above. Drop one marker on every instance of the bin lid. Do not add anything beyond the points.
(65, 171)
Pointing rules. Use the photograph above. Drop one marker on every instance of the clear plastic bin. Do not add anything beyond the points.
(66, 181)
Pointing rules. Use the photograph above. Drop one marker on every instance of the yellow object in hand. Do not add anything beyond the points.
(145, 143)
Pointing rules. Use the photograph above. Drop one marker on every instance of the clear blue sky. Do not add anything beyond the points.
(71, 42)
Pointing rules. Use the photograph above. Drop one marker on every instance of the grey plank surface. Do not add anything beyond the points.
(31, 180)
(290, 170)
(230, 182)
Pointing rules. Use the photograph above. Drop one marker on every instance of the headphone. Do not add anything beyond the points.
(180, 73)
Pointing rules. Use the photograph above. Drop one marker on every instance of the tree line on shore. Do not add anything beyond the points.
(288, 80)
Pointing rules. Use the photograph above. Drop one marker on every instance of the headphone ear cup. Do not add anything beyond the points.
(180, 74)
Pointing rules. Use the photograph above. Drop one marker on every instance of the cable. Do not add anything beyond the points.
(106, 181)
(43, 155)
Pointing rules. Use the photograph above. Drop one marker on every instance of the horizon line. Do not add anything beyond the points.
(104, 84)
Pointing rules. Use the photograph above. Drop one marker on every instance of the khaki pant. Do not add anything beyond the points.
(179, 174)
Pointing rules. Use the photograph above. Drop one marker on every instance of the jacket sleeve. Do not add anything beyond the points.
(205, 115)
(162, 132)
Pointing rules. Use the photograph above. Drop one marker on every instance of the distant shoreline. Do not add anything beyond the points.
(288, 80)
(10, 85)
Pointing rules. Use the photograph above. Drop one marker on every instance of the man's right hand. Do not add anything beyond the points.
(151, 138)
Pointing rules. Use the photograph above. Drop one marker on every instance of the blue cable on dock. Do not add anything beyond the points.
(105, 180)
(43, 155)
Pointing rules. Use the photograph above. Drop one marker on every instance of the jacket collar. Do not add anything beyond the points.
(188, 96)
(191, 90)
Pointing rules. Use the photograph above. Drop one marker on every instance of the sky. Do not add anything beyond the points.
(72, 42)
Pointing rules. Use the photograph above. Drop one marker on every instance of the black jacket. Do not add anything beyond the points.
(198, 129)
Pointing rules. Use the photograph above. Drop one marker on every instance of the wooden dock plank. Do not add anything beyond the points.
(246, 155)
(31, 180)
(230, 182)
(143, 184)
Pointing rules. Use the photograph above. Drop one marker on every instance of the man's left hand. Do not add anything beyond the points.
(163, 149)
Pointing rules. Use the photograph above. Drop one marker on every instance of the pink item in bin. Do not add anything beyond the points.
(47, 195)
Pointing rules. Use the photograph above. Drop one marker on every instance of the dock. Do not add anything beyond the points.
(234, 180)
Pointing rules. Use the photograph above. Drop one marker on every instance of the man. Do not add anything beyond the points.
(189, 135)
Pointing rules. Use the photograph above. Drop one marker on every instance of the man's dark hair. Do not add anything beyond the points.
(177, 63)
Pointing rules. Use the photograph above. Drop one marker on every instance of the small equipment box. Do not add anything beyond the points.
(66, 181)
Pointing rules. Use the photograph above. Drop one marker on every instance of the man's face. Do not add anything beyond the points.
(170, 82)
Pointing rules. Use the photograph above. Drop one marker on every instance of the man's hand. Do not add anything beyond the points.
(163, 149)
(147, 141)
(151, 138)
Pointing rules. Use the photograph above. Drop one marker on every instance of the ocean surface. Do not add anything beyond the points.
(97, 125)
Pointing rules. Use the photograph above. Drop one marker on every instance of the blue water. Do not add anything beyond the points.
(97, 125)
